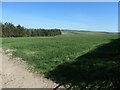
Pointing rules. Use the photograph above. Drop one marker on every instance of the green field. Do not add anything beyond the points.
(46, 53)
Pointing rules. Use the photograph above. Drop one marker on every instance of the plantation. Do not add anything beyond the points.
(10, 30)
(46, 54)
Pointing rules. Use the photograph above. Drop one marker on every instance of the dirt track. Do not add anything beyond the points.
(16, 75)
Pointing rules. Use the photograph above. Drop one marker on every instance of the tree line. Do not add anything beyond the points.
(10, 30)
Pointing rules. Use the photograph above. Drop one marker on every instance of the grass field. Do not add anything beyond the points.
(46, 53)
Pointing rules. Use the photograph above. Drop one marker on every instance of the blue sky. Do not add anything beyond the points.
(93, 16)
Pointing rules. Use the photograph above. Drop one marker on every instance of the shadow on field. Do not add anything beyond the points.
(94, 70)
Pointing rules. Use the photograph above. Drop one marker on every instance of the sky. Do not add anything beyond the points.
(90, 16)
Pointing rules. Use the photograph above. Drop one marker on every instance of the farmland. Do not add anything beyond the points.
(46, 53)
(74, 58)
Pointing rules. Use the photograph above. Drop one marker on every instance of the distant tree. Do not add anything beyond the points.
(0, 29)
(9, 30)
(20, 31)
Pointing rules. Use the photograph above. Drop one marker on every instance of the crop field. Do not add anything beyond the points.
(46, 53)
